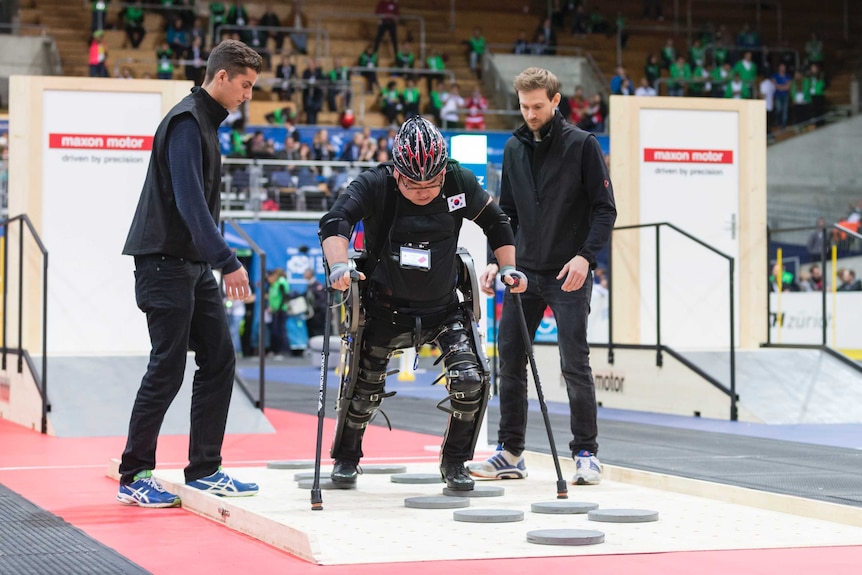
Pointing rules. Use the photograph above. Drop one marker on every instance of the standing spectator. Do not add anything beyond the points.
(176, 244)
(721, 78)
(368, 60)
(133, 17)
(476, 44)
(746, 68)
(817, 241)
(547, 30)
(195, 62)
(297, 20)
(98, 55)
(800, 97)
(580, 21)
(737, 89)
(312, 92)
(618, 82)
(767, 93)
(817, 89)
(697, 54)
(668, 54)
(315, 293)
(782, 82)
(198, 30)
(218, 17)
(278, 295)
(680, 72)
(269, 19)
(652, 69)
(558, 240)
(814, 50)
(388, 11)
(699, 84)
(476, 105)
(452, 102)
(258, 39)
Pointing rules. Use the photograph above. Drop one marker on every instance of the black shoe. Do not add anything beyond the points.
(344, 473)
(456, 476)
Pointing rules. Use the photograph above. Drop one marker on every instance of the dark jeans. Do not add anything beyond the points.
(571, 310)
(387, 27)
(184, 312)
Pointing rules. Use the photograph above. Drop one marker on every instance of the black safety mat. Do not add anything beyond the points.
(34, 541)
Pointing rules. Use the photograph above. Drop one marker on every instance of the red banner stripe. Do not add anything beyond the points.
(688, 156)
(100, 142)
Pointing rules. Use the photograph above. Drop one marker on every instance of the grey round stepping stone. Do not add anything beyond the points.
(477, 491)
(324, 473)
(623, 515)
(488, 515)
(436, 502)
(416, 478)
(563, 507)
(324, 484)
(291, 464)
(565, 537)
(383, 469)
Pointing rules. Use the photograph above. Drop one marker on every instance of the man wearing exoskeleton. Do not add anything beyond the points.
(412, 210)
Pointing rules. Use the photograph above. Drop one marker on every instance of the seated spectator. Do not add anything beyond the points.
(476, 105)
(849, 281)
(126, 73)
(598, 24)
(237, 15)
(177, 36)
(547, 30)
(390, 102)
(164, 62)
(620, 83)
(259, 147)
(338, 88)
(813, 280)
(435, 101)
(238, 140)
(285, 72)
(411, 97)
(279, 116)
(539, 45)
(406, 59)
(787, 281)
(269, 19)
(595, 116)
(435, 62)
(368, 60)
(291, 148)
(353, 149)
(699, 85)
(721, 48)
(521, 46)
(681, 72)
(697, 54)
(580, 21)
(133, 18)
(737, 89)
(578, 105)
(721, 76)
(645, 89)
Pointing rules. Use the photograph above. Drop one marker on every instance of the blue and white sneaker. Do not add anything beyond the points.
(501, 465)
(223, 485)
(146, 491)
(588, 469)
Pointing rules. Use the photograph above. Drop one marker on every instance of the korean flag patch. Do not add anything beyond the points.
(456, 202)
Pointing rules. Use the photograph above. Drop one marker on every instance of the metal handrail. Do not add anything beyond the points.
(823, 252)
(261, 323)
(661, 348)
(318, 31)
(41, 379)
(370, 16)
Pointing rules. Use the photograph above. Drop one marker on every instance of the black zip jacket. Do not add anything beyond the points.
(558, 195)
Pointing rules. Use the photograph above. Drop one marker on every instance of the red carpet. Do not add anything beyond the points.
(67, 477)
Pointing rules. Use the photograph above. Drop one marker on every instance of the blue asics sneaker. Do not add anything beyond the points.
(146, 491)
(588, 469)
(222, 484)
(501, 465)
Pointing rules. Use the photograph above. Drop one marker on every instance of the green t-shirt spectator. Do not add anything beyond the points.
(679, 71)
(477, 44)
(800, 90)
(435, 62)
(747, 70)
(410, 95)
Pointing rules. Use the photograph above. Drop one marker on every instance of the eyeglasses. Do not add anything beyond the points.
(414, 186)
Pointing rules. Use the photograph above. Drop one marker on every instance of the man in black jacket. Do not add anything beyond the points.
(176, 243)
(412, 210)
(557, 193)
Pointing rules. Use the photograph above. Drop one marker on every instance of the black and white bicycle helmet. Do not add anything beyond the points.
(419, 150)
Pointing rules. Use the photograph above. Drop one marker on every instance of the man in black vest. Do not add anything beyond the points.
(412, 210)
(556, 189)
(176, 244)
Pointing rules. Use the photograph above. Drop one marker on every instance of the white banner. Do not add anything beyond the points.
(798, 318)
